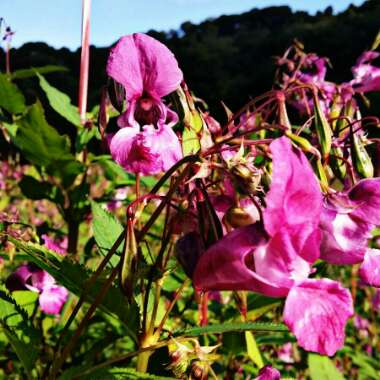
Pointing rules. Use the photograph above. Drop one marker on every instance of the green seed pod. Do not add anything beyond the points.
(322, 126)
(360, 158)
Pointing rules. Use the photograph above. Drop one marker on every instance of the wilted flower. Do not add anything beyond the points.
(277, 261)
(30, 277)
(148, 71)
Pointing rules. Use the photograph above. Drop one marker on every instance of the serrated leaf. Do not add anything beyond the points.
(74, 277)
(20, 332)
(33, 71)
(106, 228)
(11, 98)
(323, 368)
(227, 327)
(121, 374)
(60, 102)
(42, 145)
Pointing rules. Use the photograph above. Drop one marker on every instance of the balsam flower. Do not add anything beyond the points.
(366, 76)
(148, 71)
(276, 260)
(30, 277)
(346, 222)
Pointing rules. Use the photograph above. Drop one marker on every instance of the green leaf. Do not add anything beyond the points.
(106, 228)
(253, 350)
(36, 190)
(20, 332)
(33, 71)
(227, 327)
(74, 277)
(190, 137)
(121, 374)
(11, 98)
(60, 102)
(323, 368)
(42, 145)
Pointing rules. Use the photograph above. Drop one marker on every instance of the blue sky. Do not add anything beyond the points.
(57, 22)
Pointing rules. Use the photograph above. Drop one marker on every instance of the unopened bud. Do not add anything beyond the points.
(188, 250)
(237, 217)
(247, 179)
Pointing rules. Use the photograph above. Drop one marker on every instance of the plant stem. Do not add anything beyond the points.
(57, 364)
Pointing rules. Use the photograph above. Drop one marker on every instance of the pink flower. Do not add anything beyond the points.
(366, 76)
(276, 261)
(346, 222)
(58, 246)
(268, 373)
(148, 71)
(285, 353)
(30, 277)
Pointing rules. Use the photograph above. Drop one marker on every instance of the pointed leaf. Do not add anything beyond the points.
(11, 98)
(60, 102)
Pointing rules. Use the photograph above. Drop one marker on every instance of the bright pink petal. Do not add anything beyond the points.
(18, 279)
(268, 373)
(54, 245)
(148, 152)
(124, 65)
(366, 197)
(294, 198)
(316, 311)
(344, 239)
(52, 299)
(370, 269)
(279, 263)
(42, 279)
(229, 264)
(141, 63)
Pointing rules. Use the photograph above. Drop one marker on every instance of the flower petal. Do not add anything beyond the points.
(369, 271)
(344, 239)
(141, 63)
(294, 198)
(268, 373)
(366, 195)
(52, 299)
(316, 311)
(229, 264)
(17, 280)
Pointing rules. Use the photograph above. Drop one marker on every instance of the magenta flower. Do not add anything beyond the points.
(148, 71)
(268, 373)
(57, 245)
(30, 277)
(366, 76)
(346, 222)
(276, 261)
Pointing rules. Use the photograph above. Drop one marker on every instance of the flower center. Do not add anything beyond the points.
(147, 111)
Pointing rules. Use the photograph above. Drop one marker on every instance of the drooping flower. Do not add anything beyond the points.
(276, 261)
(346, 222)
(148, 71)
(366, 76)
(29, 277)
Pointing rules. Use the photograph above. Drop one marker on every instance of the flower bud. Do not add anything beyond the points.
(237, 217)
(188, 250)
(247, 179)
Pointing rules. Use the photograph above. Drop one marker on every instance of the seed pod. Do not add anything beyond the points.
(322, 126)
(360, 157)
